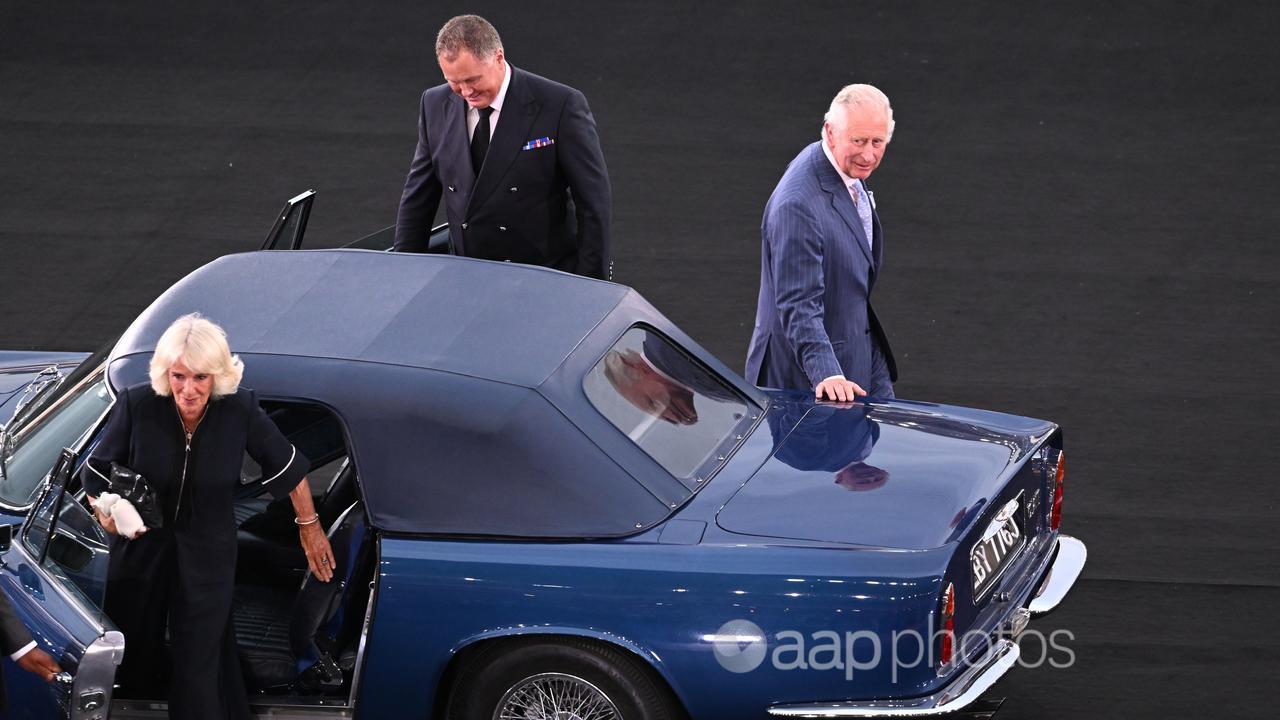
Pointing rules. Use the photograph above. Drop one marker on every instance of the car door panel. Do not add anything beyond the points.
(49, 598)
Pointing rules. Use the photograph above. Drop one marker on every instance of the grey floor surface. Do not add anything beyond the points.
(1078, 204)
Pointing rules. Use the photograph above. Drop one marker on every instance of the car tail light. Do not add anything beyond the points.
(1055, 517)
(947, 621)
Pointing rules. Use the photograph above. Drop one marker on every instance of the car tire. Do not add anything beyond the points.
(536, 679)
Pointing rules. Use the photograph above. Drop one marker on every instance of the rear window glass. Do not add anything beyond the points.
(680, 413)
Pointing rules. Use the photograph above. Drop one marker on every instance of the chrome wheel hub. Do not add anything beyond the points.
(555, 696)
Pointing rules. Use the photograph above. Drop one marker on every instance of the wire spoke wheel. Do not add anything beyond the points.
(555, 696)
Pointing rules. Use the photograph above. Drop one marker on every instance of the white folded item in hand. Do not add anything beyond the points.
(104, 502)
(128, 522)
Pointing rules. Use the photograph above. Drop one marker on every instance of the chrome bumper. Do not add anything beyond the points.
(969, 685)
(1061, 576)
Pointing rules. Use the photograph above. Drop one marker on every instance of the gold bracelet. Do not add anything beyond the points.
(314, 519)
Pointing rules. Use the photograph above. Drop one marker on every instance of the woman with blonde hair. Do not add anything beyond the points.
(186, 434)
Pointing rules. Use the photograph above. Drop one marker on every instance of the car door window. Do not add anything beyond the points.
(67, 542)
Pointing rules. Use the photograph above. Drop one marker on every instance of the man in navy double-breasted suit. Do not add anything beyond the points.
(16, 642)
(508, 151)
(821, 252)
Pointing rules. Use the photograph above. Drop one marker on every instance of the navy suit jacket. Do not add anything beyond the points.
(13, 636)
(518, 209)
(814, 317)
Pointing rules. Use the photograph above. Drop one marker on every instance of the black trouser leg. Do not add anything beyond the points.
(207, 682)
(137, 601)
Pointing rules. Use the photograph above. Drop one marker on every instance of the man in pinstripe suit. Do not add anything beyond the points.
(821, 252)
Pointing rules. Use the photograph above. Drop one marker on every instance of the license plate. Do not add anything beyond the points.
(999, 544)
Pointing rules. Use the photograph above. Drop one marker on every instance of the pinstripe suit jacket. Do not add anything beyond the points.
(814, 317)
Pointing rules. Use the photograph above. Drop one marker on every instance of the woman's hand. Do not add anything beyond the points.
(310, 532)
(107, 522)
(319, 554)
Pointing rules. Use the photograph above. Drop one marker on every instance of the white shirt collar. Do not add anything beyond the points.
(502, 94)
(473, 114)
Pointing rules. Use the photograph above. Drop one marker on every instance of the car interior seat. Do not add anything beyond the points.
(268, 539)
(291, 639)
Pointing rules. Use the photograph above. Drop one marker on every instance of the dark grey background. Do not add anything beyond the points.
(1078, 207)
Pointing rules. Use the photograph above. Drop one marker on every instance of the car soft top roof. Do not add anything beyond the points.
(459, 382)
(495, 321)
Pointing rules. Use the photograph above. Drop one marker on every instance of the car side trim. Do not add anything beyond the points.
(1062, 574)
(967, 687)
(357, 677)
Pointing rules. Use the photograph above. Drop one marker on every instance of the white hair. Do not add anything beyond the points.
(201, 346)
(851, 96)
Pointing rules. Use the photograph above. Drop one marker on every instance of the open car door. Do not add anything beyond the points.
(291, 226)
(55, 572)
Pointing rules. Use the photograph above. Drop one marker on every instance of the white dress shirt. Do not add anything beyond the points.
(856, 191)
(473, 114)
(23, 651)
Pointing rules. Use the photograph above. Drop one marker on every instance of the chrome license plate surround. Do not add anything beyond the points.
(994, 552)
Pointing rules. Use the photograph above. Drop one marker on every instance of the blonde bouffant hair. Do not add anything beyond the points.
(201, 346)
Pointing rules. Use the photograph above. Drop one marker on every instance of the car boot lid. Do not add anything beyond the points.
(899, 475)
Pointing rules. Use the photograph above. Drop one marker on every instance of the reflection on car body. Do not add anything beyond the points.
(546, 488)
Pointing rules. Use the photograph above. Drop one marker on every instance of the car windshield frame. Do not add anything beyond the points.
(91, 372)
(38, 404)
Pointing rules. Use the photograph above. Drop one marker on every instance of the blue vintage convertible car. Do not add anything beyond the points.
(549, 502)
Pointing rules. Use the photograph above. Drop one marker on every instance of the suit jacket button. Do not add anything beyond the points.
(464, 226)
(514, 189)
(451, 189)
(502, 228)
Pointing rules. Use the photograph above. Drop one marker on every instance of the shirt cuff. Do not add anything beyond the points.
(833, 377)
(23, 651)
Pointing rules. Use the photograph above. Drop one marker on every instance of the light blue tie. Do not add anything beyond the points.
(863, 203)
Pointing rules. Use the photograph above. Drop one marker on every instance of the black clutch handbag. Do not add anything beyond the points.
(133, 487)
